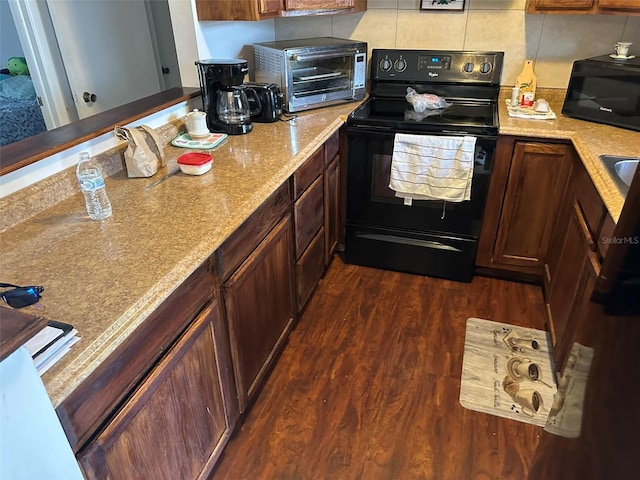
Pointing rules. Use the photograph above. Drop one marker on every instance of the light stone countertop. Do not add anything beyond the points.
(590, 140)
(107, 277)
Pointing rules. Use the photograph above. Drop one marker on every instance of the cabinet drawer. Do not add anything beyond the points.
(100, 393)
(309, 269)
(308, 172)
(242, 242)
(331, 147)
(308, 213)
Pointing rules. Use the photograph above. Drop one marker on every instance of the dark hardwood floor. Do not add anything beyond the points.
(367, 386)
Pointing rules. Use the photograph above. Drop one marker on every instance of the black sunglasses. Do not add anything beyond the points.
(20, 296)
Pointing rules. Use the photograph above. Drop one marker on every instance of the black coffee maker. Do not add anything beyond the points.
(226, 104)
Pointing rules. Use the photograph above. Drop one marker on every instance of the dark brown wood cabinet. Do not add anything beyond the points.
(259, 306)
(606, 337)
(526, 193)
(318, 219)
(334, 194)
(573, 263)
(93, 402)
(309, 219)
(544, 219)
(182, 379)
(175, 424)
(264, 9)
(577, 265)
(622, 7)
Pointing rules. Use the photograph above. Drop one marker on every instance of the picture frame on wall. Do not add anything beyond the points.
(442, 5)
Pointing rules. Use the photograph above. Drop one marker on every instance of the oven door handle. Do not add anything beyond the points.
(455, 132)
(303, 57)
(408, 241)
(370, 127)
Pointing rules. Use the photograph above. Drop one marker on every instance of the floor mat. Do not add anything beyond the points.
(565, 417)
(507, 371)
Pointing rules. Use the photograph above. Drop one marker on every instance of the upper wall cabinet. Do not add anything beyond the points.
(238, 9)
(318, 4)
(265, 9)
(621, 7)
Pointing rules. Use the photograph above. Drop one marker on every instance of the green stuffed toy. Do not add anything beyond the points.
(18, 66)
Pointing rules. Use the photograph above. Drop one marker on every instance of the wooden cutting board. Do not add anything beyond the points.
(527, 80)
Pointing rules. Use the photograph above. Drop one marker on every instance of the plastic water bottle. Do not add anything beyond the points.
(92, 185)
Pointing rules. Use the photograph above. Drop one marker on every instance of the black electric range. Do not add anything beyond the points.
(469, 81)
(428, 237)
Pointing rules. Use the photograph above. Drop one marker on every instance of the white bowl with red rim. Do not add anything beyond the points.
(195, 163)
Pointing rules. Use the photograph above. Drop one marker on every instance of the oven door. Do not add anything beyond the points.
(325, 77)
(370, 201)
(429, 237)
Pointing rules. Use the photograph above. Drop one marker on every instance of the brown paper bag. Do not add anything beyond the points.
(144, 154)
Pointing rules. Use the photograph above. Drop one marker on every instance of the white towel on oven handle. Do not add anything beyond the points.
(432, 167)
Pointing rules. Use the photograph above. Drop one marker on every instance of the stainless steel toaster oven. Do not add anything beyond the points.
(313, 72)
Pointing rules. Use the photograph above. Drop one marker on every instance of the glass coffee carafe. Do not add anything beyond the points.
(233, 107)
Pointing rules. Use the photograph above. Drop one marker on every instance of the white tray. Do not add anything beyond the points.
(212, 141)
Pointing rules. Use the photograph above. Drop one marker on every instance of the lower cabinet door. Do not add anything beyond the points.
(260, 308)
(567, 286)
(332, 208)
(534, 193)
(174, 425)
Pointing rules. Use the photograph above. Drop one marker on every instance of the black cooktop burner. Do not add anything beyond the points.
(463, 116)
(469, 80)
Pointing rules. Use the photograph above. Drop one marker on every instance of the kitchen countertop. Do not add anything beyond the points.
(105, 278)
(589, 139)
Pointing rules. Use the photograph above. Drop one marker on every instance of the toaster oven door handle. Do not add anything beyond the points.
(303, 57)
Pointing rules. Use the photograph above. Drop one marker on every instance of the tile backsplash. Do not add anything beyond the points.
(552, 41)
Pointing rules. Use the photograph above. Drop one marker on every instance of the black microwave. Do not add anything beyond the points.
(605, 90)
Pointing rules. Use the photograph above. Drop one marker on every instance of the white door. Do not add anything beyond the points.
(107, 52)
(162, 37)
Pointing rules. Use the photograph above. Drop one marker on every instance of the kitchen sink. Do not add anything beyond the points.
(621, 170)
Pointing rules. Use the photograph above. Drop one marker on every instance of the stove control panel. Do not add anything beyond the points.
(436, 66)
